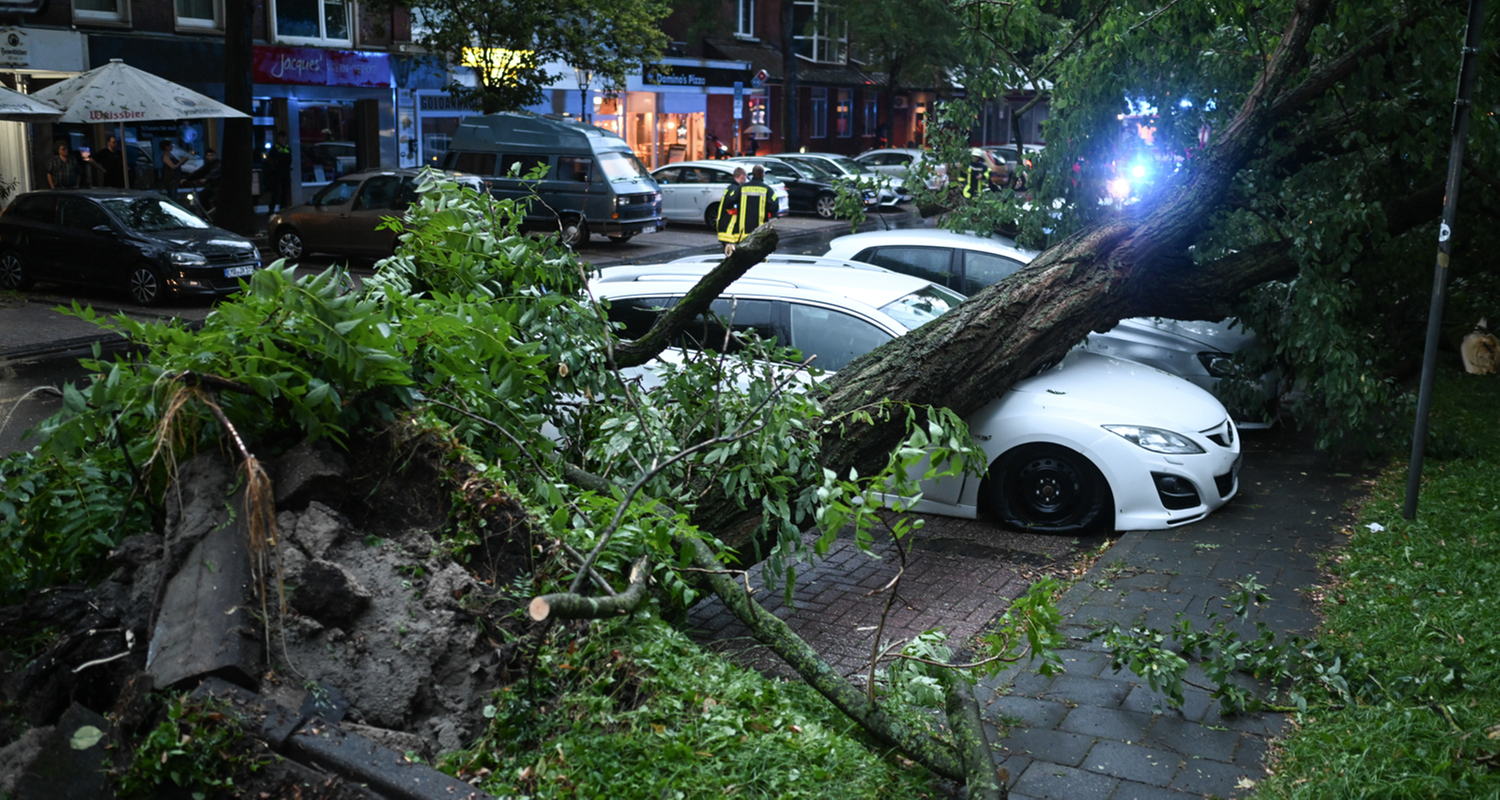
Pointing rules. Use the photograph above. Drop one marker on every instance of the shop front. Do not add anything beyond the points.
(337, 106)
(32, 59)
(679, 109)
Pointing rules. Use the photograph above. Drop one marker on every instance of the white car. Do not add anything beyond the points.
(891, 191)
(899, 163)
(691, 190)
(1201, 352)
(1091, 442)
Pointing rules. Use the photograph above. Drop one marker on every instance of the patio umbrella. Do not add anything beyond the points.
(757, 130)
(118, 92)
(17, 107)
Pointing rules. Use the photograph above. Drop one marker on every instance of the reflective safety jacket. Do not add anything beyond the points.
(743, 209)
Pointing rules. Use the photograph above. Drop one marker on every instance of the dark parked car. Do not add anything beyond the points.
(343, 217)
(807, 190)
(121, 239)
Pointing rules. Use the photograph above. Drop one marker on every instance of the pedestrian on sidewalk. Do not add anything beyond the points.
(278, 173)
(171, 170)
(62, 170)
(110, 163)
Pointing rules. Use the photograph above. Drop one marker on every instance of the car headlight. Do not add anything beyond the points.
(1219, 365)
(187, 259)
(1157, 440)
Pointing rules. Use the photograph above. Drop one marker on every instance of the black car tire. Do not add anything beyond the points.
(824, 205)
(146, 286)
(1049, 488)
(711, 217)
(289, 244)
(622, 238)
(575, 232)
(13, 272)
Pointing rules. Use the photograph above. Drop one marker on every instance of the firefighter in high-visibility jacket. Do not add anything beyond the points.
(978, 175)
(744, 208)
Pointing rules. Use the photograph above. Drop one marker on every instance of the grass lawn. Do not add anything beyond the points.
(1413, 612)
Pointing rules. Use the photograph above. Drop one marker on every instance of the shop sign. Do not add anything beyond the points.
(691, 75)
(15, 47)
(311, 66)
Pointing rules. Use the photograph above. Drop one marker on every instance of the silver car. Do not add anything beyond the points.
(1201, 352)
(691, 190)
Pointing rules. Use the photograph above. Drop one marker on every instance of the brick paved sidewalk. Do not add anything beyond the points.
(960, 575)
(1090, 733)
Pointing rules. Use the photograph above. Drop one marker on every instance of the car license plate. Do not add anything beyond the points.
(652, 229)
(238, 272)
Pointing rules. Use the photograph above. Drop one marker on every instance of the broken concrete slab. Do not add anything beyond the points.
(306, 473)
(72, 761)
(206, 624)
(329, 594)
(317, 529)
(317, 742)
(382, 769)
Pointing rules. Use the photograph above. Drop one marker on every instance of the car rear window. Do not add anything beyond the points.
(923, 306)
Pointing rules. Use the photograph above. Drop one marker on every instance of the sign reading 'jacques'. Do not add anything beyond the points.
(310, 66)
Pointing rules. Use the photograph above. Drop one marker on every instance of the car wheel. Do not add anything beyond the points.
(289, 244)
(146, 286)
(13, 272)
(575, 232)
(824, 205)
(711, 216)
(1048, 488)
(622, 238)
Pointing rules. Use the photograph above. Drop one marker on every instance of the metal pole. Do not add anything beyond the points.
(1445, 248)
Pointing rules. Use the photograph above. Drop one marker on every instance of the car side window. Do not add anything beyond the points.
(575, 168)
(638, 313)
(836, 338)
(521, 165)
(406, 195)
(475, 163)
(80, 214)
(336, 193)
(36, 208)
(986, 269)
(668, 176)
(378, 192)
(930, 263)
(731, 316)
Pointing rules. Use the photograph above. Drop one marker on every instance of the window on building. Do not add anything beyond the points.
(818, 34)
(200, 14)
(819, 112)
(313, 22)
(744, 26)
(844, 123)
(101, 10)
(872, 116)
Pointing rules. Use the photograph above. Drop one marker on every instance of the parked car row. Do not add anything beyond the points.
(1201, 352)
(1091, 442)
(135, 241)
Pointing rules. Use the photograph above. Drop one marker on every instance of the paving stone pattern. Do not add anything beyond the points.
(1095, 733)
(1090, 733)
(956, 579)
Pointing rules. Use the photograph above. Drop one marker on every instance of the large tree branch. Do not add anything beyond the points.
(753, 250)
(1089, 281)
(777, 635)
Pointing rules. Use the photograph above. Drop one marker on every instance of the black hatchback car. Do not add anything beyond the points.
(138, 241)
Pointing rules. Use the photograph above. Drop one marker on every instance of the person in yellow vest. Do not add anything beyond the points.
(745, 207)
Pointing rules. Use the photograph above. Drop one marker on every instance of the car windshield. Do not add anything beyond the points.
(817, 169)
(621, 166)
(147, 214)
(782, 169)
(922, 306)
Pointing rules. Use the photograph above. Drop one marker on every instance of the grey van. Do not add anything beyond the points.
(593, 182)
